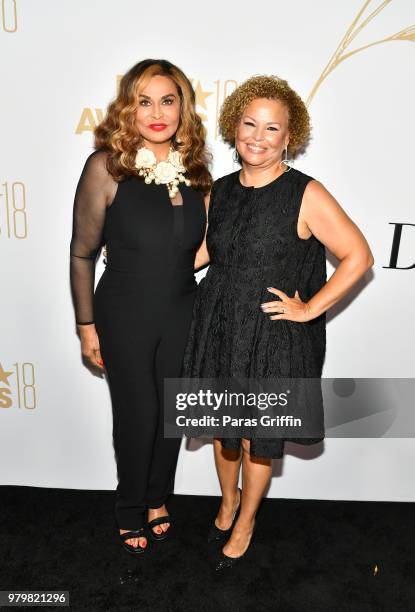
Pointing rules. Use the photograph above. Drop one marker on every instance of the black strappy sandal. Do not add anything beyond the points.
(158, 521)
(134, 533)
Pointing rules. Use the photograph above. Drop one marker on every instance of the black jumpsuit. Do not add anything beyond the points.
(142, 309)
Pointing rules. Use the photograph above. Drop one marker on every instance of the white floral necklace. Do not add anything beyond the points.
(169, 172)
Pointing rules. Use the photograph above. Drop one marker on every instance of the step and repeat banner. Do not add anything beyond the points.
(352, 61)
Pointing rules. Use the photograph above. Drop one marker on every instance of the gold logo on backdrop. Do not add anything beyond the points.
(358, 24)
(222, 89)
(208, 103)
(9, 15)
(13, 212)
(89, 120)
(201, 96)
(23, 391)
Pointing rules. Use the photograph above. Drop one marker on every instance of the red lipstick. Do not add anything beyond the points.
(157, 127)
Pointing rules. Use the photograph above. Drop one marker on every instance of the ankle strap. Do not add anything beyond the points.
(159, 520)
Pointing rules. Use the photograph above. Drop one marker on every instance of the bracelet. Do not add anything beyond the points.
(87, 323)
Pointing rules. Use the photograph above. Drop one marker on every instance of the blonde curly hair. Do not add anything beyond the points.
(118, 135)
(271, 88)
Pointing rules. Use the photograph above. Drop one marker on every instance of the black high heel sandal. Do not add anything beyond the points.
(159, 537)
(224, 562)
(217, 535)
(129, 535)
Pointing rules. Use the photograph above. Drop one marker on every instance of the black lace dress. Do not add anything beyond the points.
(253, 244)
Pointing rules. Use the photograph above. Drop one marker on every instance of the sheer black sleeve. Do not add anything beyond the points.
(95, 192)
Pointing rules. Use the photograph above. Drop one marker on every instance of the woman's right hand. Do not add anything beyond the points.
(90, 345)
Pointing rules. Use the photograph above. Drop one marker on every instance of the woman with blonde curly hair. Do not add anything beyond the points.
(143, 194)
(269, 224)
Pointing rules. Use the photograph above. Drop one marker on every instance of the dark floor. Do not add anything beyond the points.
(306, 556)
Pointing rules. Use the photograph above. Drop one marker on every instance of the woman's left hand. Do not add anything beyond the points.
(290, 309)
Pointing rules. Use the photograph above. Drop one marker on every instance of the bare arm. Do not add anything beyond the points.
(323, 216)
(202, 256)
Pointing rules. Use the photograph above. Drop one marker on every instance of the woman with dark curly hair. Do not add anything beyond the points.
(143, 194)
(269, 225)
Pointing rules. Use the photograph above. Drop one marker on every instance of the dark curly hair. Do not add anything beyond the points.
(272, 88)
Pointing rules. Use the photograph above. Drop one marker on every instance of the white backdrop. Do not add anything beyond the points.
(60, 62)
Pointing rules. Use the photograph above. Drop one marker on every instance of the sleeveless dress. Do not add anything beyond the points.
(253, 244)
